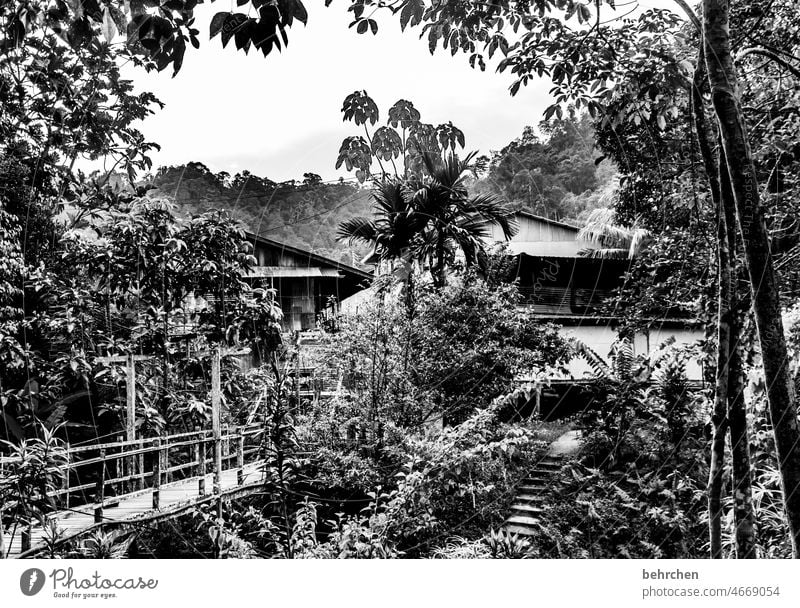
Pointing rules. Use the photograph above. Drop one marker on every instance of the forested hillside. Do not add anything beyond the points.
(303, 213)
(550, 171)
(554, 171)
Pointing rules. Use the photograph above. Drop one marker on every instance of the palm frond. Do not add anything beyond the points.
(605, 254)
(357, 229)
(613, 241)
(390, 197)
(639, 238)
(492, 209)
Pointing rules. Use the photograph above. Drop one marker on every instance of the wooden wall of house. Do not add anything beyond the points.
(270, 256)
(298, 297)
(533, 230)
(302, 299)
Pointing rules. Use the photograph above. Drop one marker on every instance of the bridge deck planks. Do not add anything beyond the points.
(137, 505)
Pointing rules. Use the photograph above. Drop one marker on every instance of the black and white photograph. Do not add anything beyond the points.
(399, 280)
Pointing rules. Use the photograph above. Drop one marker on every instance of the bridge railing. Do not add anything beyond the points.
(101, 473)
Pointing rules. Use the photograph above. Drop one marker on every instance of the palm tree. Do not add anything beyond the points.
(612, 240)
(454, 219)
(395, 227)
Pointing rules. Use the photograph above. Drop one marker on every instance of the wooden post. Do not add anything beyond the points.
(157, 475)
(99, 494)
(216, 398)
(25, 536)
(2, 504)
(200, 455)
(239, 456)
(164, 454)
(2, 535)
(130, 419)
(140, 468)
(297, 373)
(66, 482)
(120, 466)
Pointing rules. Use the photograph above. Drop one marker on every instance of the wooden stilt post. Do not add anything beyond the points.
(130, 419)
(239, 456)
(216, 399)
(157, 476)
(100, 491)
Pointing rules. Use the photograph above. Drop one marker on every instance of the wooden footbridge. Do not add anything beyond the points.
(126, 483)
(130, 482)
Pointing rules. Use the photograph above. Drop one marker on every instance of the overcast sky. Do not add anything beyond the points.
(280, 116)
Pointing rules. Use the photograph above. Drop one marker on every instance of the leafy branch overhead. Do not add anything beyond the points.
(584, 48)
(405, 138)
(157, 30)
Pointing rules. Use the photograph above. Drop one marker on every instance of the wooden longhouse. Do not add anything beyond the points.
(563, 285)
(309, 286)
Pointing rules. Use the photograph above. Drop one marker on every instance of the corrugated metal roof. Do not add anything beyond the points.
(317, 258)
(282, 272)
(548, 248)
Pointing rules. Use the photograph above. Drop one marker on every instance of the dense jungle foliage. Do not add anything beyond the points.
(429, 434)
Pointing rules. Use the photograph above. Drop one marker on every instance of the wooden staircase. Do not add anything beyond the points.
(531, 493)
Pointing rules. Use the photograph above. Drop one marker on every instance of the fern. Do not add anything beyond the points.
(599, 366)
(623, 355)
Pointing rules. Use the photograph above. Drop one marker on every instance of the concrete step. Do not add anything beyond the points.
(529, 489)
(529, 498)
(544, 472)
(534, 479)
(549, 458)
(523, 520)
(526, 509)
(520, 530)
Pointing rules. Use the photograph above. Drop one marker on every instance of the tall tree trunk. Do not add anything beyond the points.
(743, 512)
(719, 418)
(766, 305)
(440, 271)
